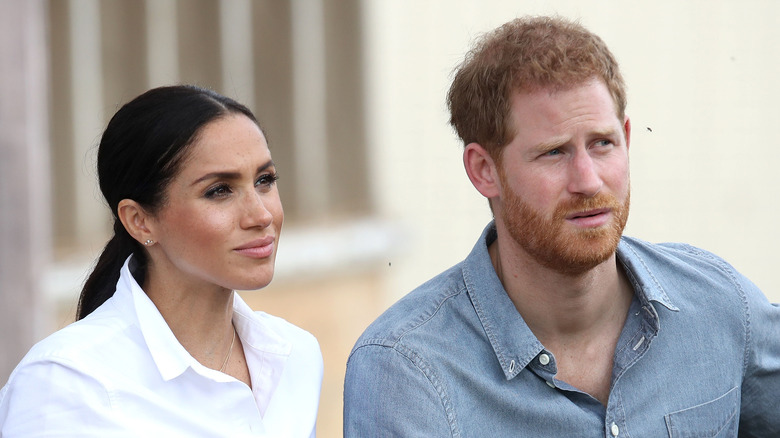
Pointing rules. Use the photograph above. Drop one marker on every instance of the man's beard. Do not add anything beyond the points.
(560, 248)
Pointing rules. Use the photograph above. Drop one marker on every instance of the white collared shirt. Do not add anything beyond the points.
(121, 372)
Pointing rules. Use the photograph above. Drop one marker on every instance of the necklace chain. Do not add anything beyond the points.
(230, 351)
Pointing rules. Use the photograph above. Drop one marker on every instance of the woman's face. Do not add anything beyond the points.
(222, 217)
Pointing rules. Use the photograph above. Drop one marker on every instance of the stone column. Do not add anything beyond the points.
(25, 243)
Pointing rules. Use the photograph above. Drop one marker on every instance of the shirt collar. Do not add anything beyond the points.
(646, 284)
(168, 354)
(512, 340)
(266, 350)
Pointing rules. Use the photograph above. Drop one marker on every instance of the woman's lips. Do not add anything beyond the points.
(259, 248)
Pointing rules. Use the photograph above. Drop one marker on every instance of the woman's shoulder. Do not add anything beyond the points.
(281, 325)
(271, 333)
(65, 376)
(275, 334)
(82, 343)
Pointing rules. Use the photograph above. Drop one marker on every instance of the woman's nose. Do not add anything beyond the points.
(255, 213)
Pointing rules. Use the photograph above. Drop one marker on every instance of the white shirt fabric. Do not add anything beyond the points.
(121, 372)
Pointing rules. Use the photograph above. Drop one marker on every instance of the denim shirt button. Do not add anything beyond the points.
(544, 359)
(550, 384)
(614, 429)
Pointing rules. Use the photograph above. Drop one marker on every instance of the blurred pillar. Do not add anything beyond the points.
(236, 51)
(24, 178)
(309, 122)
(89, 226)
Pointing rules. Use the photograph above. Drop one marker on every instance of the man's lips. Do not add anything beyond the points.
(587, 214)
(258, 248)
(590, 218)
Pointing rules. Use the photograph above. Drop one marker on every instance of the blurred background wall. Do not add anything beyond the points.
(351, 95)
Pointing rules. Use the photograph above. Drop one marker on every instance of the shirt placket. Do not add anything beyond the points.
(639, 330)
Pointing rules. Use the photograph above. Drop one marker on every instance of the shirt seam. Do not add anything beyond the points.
(746, 321)
(73, 366)
(418, 321)
(430, 375)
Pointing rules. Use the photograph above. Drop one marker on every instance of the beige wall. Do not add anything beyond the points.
(702, 99)
(24, 155)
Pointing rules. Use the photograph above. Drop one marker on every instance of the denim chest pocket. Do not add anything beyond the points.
(715, 419)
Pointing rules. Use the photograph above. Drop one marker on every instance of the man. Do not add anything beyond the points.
(556, 325)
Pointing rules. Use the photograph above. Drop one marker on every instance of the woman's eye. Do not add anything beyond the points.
(219, 191)
(266, 180)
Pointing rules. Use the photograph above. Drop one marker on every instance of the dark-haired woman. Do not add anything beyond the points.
(163, 346)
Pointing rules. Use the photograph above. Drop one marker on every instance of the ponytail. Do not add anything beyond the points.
(101, 284)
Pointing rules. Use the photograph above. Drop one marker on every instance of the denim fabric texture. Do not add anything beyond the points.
(699, 356)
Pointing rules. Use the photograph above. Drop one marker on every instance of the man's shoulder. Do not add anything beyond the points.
(412, 312)
(680, 272)
(671, 255)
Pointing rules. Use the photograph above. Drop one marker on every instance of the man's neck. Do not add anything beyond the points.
(563, 308)
(578, 318)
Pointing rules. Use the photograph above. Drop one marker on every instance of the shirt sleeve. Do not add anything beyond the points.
(760, 412)
(392, 393)
(53, 400)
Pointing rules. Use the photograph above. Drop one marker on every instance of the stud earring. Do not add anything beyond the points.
(148, 242)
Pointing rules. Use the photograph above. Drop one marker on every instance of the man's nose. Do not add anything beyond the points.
(584, 178)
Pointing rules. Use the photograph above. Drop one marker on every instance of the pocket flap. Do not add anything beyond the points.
(715, 418)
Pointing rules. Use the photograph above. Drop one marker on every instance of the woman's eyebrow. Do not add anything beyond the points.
(229, 175)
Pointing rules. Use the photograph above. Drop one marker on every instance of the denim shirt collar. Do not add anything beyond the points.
(647, 285)
(513, 342)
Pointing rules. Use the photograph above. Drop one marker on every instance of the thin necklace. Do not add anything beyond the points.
(227, 358)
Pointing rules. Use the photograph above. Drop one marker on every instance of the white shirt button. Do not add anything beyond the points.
(544, 359)
(550, 384)
(614, 429)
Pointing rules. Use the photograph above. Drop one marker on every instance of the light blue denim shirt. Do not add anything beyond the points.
(699, 356)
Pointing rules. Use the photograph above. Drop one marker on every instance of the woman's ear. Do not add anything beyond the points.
(136, 220)
(482, 170)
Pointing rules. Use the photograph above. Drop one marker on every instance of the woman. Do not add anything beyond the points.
(162, 345)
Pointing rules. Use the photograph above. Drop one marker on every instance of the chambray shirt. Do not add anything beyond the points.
(121, 372)
(699, 356)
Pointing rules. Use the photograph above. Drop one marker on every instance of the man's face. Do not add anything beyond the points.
(564, 178)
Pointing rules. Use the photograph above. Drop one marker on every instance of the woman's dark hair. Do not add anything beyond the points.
(141, 151)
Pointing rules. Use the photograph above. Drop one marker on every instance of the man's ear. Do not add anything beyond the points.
(482, 170)
(136, 220)
(627, 131)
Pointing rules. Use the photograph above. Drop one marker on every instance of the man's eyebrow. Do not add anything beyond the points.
(556, 143)
(230, 175)
(549, 145)
(609, 132)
